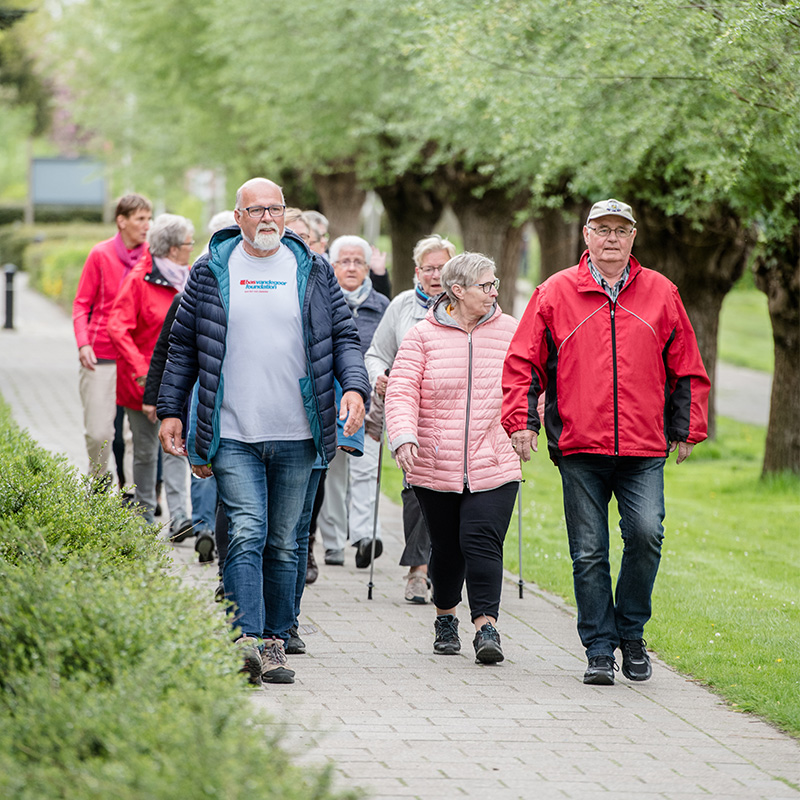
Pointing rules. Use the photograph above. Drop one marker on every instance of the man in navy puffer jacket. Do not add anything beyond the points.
(263, 329)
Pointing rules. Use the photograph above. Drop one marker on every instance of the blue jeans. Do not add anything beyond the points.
(301, 535)
(204, 503)
(262, 487)
(588, 482)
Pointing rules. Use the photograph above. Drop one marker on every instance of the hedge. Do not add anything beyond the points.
(116, 680)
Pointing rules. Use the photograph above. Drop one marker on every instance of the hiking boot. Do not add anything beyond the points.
(312, 570)
(295, 646)
(364, 552)
(219, 592)
(417, 588)
(334, 557)
(248, 648)
(600, 671)
(635, 661)
(487, 645)
(204, 546)
(446, 642)
(273, 663)
(180, 529)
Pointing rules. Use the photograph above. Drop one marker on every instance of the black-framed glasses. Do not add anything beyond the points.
(256, 212)
(489, 285)
(603, 231)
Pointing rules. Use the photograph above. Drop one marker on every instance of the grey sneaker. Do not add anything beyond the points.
(487, 645)
(273, 663)
(417, 588)
(248, 648)
(446, 642)
(334, 558)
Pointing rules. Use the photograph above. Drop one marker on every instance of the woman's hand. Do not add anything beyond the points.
(406, 455)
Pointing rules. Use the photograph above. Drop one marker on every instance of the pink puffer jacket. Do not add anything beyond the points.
(445, 395)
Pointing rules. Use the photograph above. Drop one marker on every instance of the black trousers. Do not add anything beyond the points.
(467, 532)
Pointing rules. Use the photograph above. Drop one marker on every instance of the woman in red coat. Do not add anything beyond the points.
(133, 325)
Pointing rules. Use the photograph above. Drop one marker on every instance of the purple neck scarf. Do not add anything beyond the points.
(128, 258)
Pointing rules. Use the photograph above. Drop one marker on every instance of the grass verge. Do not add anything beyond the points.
(726, 606)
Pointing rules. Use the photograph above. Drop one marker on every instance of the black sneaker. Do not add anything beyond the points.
(600, 671)
(180, 530)
(364, 552)
(219, 592)
(273, 663)
(446, 642)
(204, 546)
(487, 645)
(635, 661)
(294, 646)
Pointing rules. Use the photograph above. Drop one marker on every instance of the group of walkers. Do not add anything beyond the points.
(275, 366)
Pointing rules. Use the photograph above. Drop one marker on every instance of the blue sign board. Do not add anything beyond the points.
(67, 182)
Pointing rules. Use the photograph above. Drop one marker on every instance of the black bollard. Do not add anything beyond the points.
(10, 270)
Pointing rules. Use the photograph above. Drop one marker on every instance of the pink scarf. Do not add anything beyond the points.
(128, 258)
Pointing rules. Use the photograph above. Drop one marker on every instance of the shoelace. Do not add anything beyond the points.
(275, 654)
(634, 649)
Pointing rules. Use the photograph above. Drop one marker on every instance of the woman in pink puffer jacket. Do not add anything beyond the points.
(443, 407)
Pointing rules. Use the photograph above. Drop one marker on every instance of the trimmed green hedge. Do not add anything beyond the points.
(115, 680)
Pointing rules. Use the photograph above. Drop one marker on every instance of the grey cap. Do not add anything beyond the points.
(611, 206)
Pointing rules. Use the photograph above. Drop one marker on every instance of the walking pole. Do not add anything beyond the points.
(375, 518)
(519, 519)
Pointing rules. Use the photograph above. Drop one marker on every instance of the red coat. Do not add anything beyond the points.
(134, 323)
(622, 378)
(100, 281)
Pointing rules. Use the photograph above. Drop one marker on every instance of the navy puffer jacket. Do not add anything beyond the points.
(197, 345)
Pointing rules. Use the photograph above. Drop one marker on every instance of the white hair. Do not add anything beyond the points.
(350, 241)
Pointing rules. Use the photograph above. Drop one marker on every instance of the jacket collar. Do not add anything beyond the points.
(586, 283)
(438, 313)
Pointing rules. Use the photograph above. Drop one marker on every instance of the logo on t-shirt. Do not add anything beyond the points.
(251, 287)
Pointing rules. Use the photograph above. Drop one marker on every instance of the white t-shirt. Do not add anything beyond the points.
(264, 351)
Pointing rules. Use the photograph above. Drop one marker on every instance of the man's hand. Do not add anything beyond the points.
(381, 382)
(202, 470)
(684, 450)
(87, 357)
(171, 436)
(351, 409)
(523, 442)
(149, 412)
(141, 380)
(378, 262)
(406, 455)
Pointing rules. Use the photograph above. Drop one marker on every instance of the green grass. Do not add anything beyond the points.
(745, 331)
(726, 606)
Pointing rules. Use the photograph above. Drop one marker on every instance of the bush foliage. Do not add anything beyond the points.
(115, 681)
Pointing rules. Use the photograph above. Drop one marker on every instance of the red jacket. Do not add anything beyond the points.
(134, 324)
(622, 378)
(100, 280)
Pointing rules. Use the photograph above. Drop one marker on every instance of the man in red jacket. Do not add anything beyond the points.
(611, 346)
(106, 266)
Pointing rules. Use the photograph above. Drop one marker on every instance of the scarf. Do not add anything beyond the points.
(355, 298)
(175, 274)
(423, 299)
(128, 258)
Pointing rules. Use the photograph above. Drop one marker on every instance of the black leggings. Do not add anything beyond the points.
(467, 533)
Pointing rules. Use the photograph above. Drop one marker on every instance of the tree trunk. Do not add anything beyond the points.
(777, 274)
(489, 226)
(341, 199)
(704, 264)
(413, 207)
(559, 231)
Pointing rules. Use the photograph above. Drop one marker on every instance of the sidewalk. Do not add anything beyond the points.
(402, 723)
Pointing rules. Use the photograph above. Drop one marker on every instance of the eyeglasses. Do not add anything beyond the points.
(256, 212)
(188, 244)
(489, 285)
(352, 262)
(431, 270)
(602, 232)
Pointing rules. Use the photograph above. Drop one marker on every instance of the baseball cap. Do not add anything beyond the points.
(611, 206)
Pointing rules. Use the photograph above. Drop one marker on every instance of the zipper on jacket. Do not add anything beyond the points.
(613, 306)
(469, 402)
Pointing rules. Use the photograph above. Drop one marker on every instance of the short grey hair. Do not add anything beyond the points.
(432, 244)
(464, 270)
(168, 230)
(350, 241)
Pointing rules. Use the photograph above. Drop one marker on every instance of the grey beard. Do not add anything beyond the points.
(264, 240)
